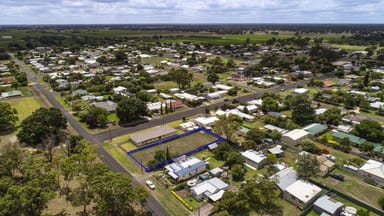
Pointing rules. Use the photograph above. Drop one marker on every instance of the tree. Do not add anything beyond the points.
(233, 157)
(307, 166)
(345, 145)
(263, 195)
(212, 77)
(115, 195)
(227, 125)
(381, 202)
(256, 135)
(237, 172)
(8, 116)
(331, 116)
(308, 146)
(230, 63)
(270, 104)
(302, 110)
(232, 92)
(120, 56)
(232, 204)
(370, 130)
(28, 191)
(160, 156)
(181, 76)
(363, 212)
(42, 123)
(275, 135)
(130, 109)
(340, 72)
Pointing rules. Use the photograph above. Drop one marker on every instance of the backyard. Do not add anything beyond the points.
(175, 147)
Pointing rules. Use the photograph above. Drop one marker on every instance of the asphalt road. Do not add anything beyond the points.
(152, 205)
(195, 111)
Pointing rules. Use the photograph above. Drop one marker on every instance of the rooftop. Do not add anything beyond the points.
(296, 134)
(373, 167)
(315, 128)
(254, 156)
(303, 190)
(152, 133)
(354, 139)
(184, 166)
(285, 177)
(328, 204)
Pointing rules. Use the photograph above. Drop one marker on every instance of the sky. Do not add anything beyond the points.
(190, 11)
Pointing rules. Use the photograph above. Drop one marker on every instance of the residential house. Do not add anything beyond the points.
(315, 129)
(373, 170)
(110, 106)
(186, 168)
(295, 136)
(352, 138)
(284, 178)
(254, 159)
(326, 165)
(276, 151)
(152, 135)
(9, 94)
(301, 193)
(205, 121)
(328, 205)
(212, 189)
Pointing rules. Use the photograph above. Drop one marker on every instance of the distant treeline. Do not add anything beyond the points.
(225, 28)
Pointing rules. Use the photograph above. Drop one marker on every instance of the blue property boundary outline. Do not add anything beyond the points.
(200, 148)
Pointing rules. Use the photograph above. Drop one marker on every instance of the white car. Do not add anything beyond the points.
(150, 184)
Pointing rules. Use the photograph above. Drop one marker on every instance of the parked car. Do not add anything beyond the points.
(150, 184)
(337, 176)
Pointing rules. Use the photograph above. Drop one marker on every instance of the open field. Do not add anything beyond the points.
(24, 106)
(349, 47)
(165, 85)
(354, 186)
(175, 147)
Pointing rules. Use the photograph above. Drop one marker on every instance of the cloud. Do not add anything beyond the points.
(190, 11)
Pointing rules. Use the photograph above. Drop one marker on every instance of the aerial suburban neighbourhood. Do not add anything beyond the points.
(191, 119)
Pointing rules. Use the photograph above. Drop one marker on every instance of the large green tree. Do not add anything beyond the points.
(115, 195)
(307, 166)
(130, 109)
(232, 204)
(42, 124)
(8, 116)
(181, 76)
(227, 125)
(302, 110)
(370, 130)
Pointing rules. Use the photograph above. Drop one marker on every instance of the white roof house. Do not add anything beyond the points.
(276, 150)
(212, 189)
(188, 97)
(257, 102)
(272, 128)
(326, 204)
(250, 108)
(254, 158)
(222, 87)
(300, 91)
(119, 89)
(302, 191)
(295, 136)
(284, 178)
(373, 170)
(377, 105)
(320, 111)
(235, 112)
(206, 121)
